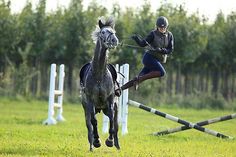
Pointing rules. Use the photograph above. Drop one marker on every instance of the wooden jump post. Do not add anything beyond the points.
(176, 119)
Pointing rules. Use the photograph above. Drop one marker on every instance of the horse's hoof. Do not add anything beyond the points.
(117, 146)
(97, 143)
(109, 142)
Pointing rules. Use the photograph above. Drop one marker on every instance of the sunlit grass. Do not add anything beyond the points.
(22, 133)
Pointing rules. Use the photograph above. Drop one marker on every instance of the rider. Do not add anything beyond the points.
(160, 43)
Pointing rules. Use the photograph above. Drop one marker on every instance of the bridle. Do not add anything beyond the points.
(107, 38)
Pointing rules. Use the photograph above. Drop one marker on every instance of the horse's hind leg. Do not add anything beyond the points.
(96, 142)
(116, 126)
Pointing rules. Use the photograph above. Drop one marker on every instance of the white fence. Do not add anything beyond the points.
(52, 95)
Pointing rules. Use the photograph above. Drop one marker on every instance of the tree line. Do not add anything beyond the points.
(200, 71)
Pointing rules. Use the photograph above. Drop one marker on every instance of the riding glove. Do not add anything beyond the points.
(159, 50)
(163, 50)
(135, 38)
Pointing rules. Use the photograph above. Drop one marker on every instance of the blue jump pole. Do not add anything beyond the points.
(176, 119)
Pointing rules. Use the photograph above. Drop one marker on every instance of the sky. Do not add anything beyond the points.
(209, 8)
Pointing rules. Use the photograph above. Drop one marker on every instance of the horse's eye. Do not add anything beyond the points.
(103, 32)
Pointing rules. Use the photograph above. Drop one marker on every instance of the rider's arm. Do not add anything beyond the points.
(143, 42)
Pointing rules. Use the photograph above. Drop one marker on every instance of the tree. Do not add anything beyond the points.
(214, 51)
(7, 35)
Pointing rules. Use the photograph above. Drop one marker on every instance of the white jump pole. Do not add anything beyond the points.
(60, 91)
(52, 93)
(124, 114)
(122, 101)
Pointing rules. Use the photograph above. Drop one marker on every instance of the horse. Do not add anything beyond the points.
(98, 83)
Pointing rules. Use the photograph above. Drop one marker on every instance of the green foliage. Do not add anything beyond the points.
(203, 59)
(8, 36)
(200, 101)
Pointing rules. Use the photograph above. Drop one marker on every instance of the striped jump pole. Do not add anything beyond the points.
(176, 119)
(202, 123)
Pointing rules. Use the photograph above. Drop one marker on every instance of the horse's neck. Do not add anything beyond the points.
(100, 60)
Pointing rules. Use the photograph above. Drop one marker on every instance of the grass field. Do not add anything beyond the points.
(22, 133)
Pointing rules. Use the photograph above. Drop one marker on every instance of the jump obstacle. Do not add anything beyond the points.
(187, 125)
(178, 120)
(52, 95)
(202, 123)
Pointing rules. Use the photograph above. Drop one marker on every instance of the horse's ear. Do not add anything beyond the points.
(100, 24)
(111, 22)
(113, 25)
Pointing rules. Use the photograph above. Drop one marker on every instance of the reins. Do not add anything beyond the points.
(130, 46)
(149, 47)
(121, 44)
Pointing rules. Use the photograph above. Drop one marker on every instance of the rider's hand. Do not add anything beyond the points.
(164, 50)
(134, 37)
(157, 50)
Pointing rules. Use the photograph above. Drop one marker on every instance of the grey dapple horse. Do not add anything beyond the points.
(98, 82)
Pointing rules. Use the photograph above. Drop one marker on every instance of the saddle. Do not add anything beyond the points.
(86, 66)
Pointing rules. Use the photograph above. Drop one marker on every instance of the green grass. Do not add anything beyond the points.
(22, 133)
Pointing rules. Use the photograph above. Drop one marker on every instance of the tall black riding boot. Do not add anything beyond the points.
(125, 86)
(135, 81)
(147, 76)
(130, 83)
(150, 75)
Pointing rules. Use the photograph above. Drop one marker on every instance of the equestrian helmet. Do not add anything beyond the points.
(162, 22)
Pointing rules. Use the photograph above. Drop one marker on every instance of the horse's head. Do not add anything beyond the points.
(106, 33)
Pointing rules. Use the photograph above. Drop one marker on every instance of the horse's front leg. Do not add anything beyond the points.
(88, 114)
(116, 126)
(110, 113)
(96, 142)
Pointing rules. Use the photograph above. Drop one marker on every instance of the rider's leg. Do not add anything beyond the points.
(152, 69)
(135, 81)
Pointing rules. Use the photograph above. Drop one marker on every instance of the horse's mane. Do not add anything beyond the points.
(107, 22)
